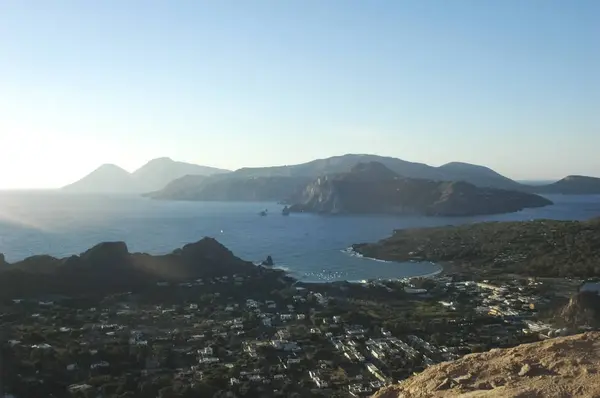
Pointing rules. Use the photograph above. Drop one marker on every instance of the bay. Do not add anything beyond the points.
(310, 247)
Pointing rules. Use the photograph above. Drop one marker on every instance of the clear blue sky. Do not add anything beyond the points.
(511, 84)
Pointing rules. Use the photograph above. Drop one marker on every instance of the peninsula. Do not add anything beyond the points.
(538, 248)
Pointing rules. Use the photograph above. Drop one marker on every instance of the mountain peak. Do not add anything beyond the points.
(575, 177)
(463, 164)
(106, 178)
(454, 171)
(573, 185)
(111, 167)
(164, 159)
(154, 175)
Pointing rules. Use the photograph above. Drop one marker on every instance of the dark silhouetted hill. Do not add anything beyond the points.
(109, 267)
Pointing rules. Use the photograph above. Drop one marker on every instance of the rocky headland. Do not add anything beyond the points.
(374, 188)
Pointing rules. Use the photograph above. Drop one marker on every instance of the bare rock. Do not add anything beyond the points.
(549, 368)
(464, 379)
(525, 370)
(444, 385)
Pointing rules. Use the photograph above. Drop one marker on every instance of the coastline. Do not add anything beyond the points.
(442, 268)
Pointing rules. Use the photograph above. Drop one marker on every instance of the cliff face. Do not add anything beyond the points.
(561, 367)
(582, 309)
(373, 188)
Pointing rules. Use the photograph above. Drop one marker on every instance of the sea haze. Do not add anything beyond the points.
(310, 247)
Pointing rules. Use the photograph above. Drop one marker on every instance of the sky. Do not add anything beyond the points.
(510, 84)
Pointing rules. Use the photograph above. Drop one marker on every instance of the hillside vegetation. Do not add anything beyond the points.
(537, 248)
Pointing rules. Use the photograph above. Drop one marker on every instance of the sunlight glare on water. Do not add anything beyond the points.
(310, 247)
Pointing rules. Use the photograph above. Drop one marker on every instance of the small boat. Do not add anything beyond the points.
(285, 211)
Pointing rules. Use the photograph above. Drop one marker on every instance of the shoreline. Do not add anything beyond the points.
(290, 273)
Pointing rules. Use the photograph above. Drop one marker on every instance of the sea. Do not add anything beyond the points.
(310, 247)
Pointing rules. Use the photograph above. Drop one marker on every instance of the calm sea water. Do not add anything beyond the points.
(310, 247)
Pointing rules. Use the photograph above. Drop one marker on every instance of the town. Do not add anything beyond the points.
(263, 335)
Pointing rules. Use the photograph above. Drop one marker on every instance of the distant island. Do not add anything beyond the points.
(167, 179)
(537, 248)
(154, 175)
(374, 188)
(571, 185)
(454, 171)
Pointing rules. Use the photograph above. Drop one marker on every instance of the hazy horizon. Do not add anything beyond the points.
(534, 181)
(514, 86)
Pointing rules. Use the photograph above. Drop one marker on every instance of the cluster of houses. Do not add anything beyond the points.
(258, 338)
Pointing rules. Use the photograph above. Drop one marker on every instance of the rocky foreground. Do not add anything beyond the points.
(561, 367)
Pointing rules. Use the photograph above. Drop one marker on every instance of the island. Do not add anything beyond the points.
(154, 175)
(374, 188)
(571, 185)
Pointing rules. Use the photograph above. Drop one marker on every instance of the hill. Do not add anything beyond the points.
(561, 367)
(106, 178)
(184, 188)
(262, 182)
(374, 188)
(153, 176)
(157, 173)
(230, 187)
(477, 175)
(537, 248)
(571, 185)
(109, 267)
